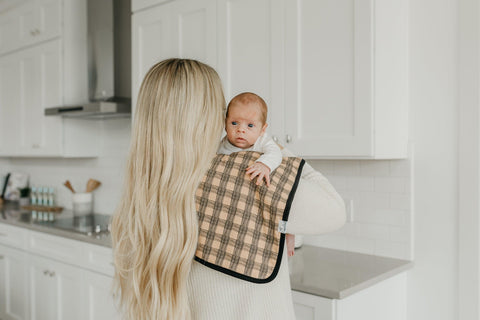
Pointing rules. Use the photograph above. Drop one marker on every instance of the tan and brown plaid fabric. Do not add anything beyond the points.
(239, 221)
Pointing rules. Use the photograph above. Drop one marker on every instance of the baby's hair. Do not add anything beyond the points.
(247, 98)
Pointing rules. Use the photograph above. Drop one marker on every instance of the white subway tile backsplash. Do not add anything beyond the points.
(392, 249)
(377, 168)
(372, 200)
(360, 244)
(360, 183)
(391, 184)
(373, 231)
(400, 201)
(346, 167)
(381, 194)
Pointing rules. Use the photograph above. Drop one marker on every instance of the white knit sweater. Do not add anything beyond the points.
(317, 208)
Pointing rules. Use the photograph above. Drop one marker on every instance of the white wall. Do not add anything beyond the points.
(432, 284)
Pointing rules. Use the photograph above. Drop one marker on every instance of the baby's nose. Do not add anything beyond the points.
(241, 129)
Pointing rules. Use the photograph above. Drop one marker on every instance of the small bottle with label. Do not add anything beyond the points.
(45, 196)
(33, 196)
(51, 197)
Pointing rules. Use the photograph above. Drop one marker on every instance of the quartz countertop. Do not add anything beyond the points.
(12, 215)
(329, 273)
(337, 274)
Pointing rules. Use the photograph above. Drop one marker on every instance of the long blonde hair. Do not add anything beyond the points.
(178, 122)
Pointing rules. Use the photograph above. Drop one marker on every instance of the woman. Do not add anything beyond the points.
(178, 124)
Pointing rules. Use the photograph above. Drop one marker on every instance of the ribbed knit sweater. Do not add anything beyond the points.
(317, 208)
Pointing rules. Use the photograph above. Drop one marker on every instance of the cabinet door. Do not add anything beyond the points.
(328, 83)
(56, 290)
(184, 29)
(39, 21)
(41, 87)
(310, 307)
(250, 52)
(99, 297)
(10, 103)
(13, 284)
(9, 31)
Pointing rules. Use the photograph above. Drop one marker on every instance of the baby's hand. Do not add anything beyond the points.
(261, 170)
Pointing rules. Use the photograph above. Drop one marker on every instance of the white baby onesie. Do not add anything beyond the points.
(271, 157)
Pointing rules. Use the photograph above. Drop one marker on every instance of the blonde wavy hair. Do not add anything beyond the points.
(178, 123)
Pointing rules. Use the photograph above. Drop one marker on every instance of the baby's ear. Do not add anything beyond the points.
(264, 128)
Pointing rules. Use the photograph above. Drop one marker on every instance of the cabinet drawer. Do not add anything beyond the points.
(98, 258)
(13, 236)
(58, 248)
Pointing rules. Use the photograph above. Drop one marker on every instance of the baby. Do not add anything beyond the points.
(245, 124)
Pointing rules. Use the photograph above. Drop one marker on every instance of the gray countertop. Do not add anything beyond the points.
(12, 215)
(337, 274)
(324, 272)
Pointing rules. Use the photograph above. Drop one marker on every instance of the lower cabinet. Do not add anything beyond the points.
(50, 287)
(55, 290)
(13, 284)
(385, 300)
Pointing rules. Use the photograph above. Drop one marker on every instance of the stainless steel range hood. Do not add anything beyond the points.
(103, 43)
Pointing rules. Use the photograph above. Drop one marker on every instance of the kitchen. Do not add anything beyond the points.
(412, 207)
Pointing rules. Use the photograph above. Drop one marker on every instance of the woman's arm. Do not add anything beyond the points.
(316, 208)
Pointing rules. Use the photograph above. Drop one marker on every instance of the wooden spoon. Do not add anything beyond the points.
(69, 186)
(92, 184)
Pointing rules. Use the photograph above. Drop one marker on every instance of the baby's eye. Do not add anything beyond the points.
(250, 125)
(234, 123)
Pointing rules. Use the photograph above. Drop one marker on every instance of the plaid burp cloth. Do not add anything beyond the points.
(239, 222)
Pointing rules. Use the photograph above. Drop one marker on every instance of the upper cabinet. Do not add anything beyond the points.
(32, 22)
(47, 67)
(184, 29)
(333, 73)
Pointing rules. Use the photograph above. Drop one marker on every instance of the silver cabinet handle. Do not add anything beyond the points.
(275, 139)
(51, 273)
(32, 32)
(288, 138)
(45, 272)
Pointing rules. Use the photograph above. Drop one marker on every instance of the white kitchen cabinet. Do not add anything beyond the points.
(46, 71)
(9, 31)
(56, 290)
(30, 22)
(10, 100)
(385, 300)
(100, 301)
(13, 284)
(185, 29)
(49, 277)
(32, 80)
(333, 73)
(40, 20)
(346, 78)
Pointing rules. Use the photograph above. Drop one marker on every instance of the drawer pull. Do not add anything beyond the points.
(45, 272)
(51, 273)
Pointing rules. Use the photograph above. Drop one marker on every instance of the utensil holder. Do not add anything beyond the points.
(82, 203)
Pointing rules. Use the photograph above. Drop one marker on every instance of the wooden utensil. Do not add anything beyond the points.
(69, 186)
(92, 184)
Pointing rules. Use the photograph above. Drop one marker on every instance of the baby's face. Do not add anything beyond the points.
(244, 125)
